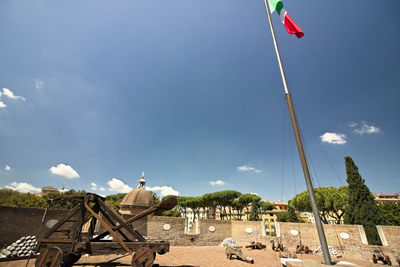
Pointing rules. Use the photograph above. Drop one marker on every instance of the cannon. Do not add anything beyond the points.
(230, 251)
(277, 248)
(300, 249)
(64, 243)
(378, 255)
(256, 245)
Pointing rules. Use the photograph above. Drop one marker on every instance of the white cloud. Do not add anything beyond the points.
(246, 168)
(8, 93)
(352, 124)
(255, 194)
(366, 129)
(23, 187)
(217, 182)
(64, 170)
(2, 105)
(62, 190)
(7, 168)
(164, 190)
(116, 185)
(38, 84)
(95, 187)
(334, 138)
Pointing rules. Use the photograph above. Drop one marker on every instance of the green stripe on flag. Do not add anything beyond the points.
(276, 5)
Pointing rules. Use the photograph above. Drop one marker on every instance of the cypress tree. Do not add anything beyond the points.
(361, 208)
(291, 214)
(255, 207)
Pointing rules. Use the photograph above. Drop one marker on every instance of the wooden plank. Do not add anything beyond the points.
(76, 231)
(56, 240)
(69, 215)
(104, 248)
(112, 233)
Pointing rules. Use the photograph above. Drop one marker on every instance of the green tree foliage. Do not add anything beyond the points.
(193, 203)
(361, 208)
(225, 201)
(182, 205)
(290, 215)
(156, 198)
(282, 217)
(171, 213)
(238, 206)
(254, 212)
(246, 199)
(67, 204)
(115, 200)
(391, 211)
(9, 197)
(265, 206)
(259, 207)
(331, 201)
(210, 201)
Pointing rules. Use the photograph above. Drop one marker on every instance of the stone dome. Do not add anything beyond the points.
(137, 200)
(138, 197)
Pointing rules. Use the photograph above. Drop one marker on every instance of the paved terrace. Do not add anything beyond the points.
(204, 256)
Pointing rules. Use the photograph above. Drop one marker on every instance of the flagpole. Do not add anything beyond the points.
(318, 223)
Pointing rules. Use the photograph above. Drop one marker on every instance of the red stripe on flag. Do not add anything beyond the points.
(292, 27)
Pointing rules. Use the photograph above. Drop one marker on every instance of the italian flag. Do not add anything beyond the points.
(290, 25)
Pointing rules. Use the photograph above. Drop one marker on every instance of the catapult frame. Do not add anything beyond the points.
(64, 243)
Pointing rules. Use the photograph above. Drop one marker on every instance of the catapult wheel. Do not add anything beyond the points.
(374, 260)
(388, 261)
(144, 257)
(49, 257)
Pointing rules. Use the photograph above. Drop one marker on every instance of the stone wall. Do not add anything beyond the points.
(222, 230)
(391, 234)
(244, 232)
(348, 240)
(166, 228)
(16, 222)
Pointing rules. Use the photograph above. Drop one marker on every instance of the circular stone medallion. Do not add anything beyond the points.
(50, 223)
(211, 228)
(294, 232)
(166, 227)
(344, 235)
(249, 230)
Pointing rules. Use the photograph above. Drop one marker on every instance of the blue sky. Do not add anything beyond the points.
(190, 93)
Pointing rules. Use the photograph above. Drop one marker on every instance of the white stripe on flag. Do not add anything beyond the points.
(282, 15)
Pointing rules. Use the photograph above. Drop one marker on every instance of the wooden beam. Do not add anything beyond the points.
(112, 233)
(121, 221)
